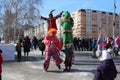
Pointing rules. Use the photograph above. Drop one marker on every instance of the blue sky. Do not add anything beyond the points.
(73, 5)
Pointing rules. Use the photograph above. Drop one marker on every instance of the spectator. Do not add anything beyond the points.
(26, 46)
(0, 39)
(18, 49)
(35, 42)
(94, 48)
(106, 70)
(1, 60)
(41, 45)
(117, 45)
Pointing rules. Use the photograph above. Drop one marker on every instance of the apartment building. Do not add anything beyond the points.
(89, 23)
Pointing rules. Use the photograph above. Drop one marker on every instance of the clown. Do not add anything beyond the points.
(52, 47)
(52, 20)
(67, 24)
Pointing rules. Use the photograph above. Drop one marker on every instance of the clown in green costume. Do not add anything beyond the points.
(67, 24)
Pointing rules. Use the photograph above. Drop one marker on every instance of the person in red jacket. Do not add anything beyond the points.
(52, 20)
(1, 60)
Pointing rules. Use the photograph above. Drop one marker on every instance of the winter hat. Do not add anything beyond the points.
(105, 55)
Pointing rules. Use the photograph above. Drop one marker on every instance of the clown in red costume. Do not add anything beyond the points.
(52, 20)
(52, 47)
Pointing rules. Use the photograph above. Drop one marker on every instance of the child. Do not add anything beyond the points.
(1, 60)
(18, 49)
(68, 57)
(106, 70)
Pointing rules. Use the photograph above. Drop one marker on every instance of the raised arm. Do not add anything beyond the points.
(44, 18)
(59, 15)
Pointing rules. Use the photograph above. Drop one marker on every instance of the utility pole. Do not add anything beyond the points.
(114, 19)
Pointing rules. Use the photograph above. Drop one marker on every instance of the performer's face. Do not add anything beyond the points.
(68, 45)
(51, 16)
(51, 34)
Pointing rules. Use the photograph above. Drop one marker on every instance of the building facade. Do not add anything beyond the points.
(37, 31)
(89, 23)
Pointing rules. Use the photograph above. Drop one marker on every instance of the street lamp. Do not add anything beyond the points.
(114, 19)
(43, 29)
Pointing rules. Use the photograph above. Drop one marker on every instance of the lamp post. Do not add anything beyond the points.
(100, 30)
(43, 29)
(114, 19)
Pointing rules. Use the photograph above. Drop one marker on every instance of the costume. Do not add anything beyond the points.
(51, 21)
(52, 47)
(67, 24)
(68, 57)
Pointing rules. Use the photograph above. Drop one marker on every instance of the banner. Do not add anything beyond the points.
(8, 52)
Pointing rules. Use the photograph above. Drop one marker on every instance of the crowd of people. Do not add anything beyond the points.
(94, 44)
(82, 44)
(102, 48)
(26, 44)
(49, 44)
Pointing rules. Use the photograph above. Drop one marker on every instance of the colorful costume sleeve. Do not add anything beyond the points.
(47, 40)
(59, 15)
(44, 18)
(57, 43)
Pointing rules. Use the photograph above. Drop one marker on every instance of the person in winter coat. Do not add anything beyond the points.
(117, 45)
(41, 45)
(18, 49)
(52, 46)
(99, 42)
(1, 60)
(106, 70)
(35, 42)
(26, 46)
(94, 48)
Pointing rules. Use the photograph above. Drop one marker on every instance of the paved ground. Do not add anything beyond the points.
(31, 69)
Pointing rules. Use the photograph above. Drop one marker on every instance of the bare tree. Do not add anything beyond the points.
(15, 13)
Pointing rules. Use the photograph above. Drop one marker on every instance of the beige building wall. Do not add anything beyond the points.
(89, 23)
